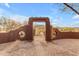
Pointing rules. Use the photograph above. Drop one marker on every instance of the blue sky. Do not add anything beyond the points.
(22, 11)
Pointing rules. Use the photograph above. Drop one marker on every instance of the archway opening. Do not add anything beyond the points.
(39, 30)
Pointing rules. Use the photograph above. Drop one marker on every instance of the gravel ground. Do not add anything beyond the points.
(39, 47)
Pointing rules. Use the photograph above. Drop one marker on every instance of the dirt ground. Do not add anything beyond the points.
(39, 47)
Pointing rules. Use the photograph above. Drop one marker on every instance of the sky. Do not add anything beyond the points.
(22, 11)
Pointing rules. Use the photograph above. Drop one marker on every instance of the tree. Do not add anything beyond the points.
(73, 9)
(67, 7)
(8, 24)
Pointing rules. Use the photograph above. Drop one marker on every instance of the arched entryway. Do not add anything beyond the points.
(40, 19)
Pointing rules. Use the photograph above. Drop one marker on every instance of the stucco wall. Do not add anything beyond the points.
(66, 35)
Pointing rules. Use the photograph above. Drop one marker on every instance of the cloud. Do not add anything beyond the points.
(3, 12)
(19, 18)
(75, 17)
(16, 17)
(7, 5)
(58, 22)
(76, 23)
